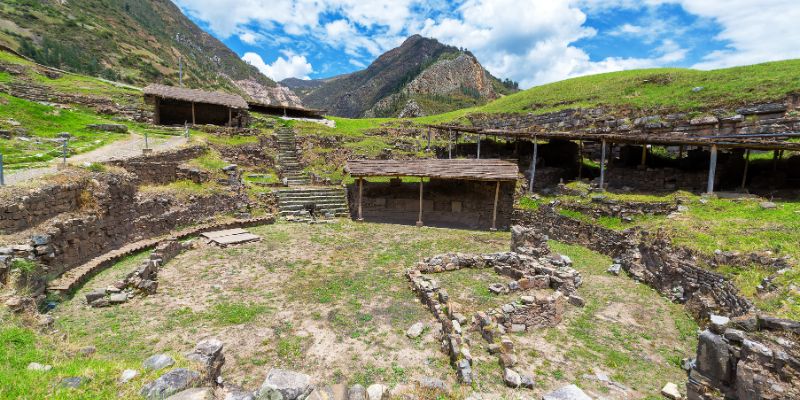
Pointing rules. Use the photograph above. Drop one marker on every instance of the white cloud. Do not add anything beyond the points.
(250, 37)
(293, 66)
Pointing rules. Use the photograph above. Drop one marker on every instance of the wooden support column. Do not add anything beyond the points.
(496, 199)
(449, 144)
(746, 165)
(712, 169)
(429, 138)
(230, 116)
(360, 198)
(479, 147)
(580, 159)
(603, 166)
(193, 117)
(419, 218)
(680, 152)
(533, 164)
(644, 155)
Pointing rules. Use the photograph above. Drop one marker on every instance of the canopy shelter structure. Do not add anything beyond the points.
(476, 194)
(178, 106)
(280, 110)
(776, 142)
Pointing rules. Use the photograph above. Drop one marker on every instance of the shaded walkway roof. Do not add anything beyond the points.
(195, 95)
(480, 170)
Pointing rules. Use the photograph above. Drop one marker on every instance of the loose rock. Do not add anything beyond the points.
(670, 391)
(511, 378)
(193, 394)
(285, 385)
(172, 382)
(39, 367)
(356, 392)
(415, 330)
(377, 392)
(158, 362)
(570, 392)
(128, 375)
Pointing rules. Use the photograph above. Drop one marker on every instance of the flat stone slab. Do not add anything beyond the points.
(236, 239)
(225, 232)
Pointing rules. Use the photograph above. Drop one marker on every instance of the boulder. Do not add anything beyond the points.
(614, 269)
(128, 375)
(570, 392)
(415, 330)
(118, 298)
(511, 378)
(718, 323)
(713, 358)
(377, 392)
(284, 385)
(174, 381)
(94, 295)
(356, 392)
(232, 392)
(208, 358)
(670, 391)
(434, 384)
(768, 205)
(194, 394)
(72, 382)
(157, 362)
(39, 367)
(527, 380)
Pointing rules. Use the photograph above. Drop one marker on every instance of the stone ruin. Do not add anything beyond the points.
(142, 281)
(532, 267)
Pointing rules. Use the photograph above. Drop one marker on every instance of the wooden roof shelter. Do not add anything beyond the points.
(478, 170)
(286, 111)
(195, 96)
(491, 170)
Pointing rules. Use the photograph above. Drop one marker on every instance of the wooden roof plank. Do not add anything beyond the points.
(485, 169)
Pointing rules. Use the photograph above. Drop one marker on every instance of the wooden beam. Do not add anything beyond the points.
(157, 113)
(230, 116)
(449, 144)
(746, 165)
(360, 198)
(479, 147)
(580, 159)
(496, 199)
(429, 138)
(193, 118)
(680, 152)
(533, 164)
(712, 169)
(644, 155)
(603, 166)
(419, 218)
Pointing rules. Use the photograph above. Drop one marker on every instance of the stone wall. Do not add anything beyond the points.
(22, 208)
(753, 357)
(466, 204)
(673, 271)
(165, 167)
(658, 179)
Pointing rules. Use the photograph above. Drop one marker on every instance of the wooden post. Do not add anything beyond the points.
(603, 166)
(496, 199)
(449, 144)
(193, 118)
(680, 152)
(479, 147)
(419, 218)
(360, 198)
(230, 116)
(774, 160)
(429, 138)
(712, 169)
(580, 159)
(533, 164)
(644, 155)
(746, 165)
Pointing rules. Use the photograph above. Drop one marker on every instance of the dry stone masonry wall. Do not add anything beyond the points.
(29, 208)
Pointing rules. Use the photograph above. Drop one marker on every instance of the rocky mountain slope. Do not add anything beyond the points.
(132, 41)
(420, 77)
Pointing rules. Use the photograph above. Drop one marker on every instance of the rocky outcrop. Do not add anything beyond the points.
(459, 75)
(273, 95)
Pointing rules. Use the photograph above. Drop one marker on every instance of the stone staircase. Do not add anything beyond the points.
(287, 158)
(329, 201)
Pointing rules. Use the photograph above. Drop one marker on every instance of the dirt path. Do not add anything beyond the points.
(120, 149)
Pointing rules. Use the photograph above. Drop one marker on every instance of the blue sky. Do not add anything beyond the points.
(531, 41)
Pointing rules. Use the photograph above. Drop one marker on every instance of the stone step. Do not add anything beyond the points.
(321, 199)
(301, 204)
(312, 192)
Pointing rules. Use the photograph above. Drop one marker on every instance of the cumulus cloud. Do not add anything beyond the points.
(291, 66)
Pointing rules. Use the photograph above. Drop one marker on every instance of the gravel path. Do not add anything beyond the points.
(120, 149)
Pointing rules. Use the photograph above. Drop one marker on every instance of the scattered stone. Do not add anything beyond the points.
(497, 288)
(100, 303)
(208, 357)
(94, 295)
(118, 298)
(233, 392)
(508, 308)
(513, 285)
(670, 391)
(512, 378)
(285, 385)
(356, 392)
(528, 299)
(174, 381)
(719, 323)
(128, 375)
(576, 301)
(72, 382)
(614, 269)
(527, 380)
(87, 351)
(415, 330)
(34, 366)
(464, 371)
(517, 328)
(377, 392)
(118, 128)
(570, 392)
(158, 362)
(507, 360)
(768, 205)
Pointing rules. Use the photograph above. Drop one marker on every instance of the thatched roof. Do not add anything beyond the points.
(481, 170)
(195, 95)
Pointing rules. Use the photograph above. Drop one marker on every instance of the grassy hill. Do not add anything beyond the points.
(660, 90)
(132, 41)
